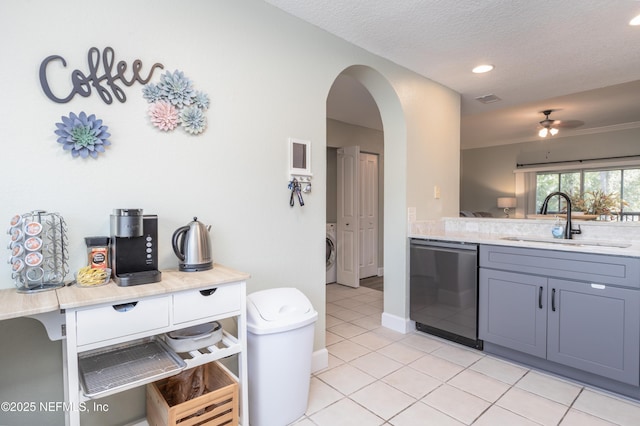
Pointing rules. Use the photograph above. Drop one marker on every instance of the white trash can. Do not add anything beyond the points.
(280, 329)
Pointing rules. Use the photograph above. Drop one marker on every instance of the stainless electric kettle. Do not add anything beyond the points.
(192, 245)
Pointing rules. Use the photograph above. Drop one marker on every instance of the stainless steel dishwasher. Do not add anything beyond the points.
(444, 290)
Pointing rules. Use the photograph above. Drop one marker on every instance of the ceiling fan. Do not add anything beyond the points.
(550, 127)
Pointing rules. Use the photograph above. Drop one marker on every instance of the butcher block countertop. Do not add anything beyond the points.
(15, 305)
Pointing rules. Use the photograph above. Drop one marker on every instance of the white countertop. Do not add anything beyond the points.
(594, 238)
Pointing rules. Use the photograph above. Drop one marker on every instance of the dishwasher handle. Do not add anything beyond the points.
(417, 243)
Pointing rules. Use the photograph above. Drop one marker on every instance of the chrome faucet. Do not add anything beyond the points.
(568, 229)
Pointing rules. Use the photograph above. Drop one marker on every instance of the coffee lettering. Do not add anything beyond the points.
(104, 82)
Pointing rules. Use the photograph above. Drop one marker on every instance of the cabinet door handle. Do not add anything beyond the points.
(540, 298)
(553, 300)
(208, 292)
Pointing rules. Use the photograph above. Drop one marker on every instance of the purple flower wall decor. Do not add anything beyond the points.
(175, 102)
(82, 135)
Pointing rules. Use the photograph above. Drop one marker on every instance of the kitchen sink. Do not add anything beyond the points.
(571, 242)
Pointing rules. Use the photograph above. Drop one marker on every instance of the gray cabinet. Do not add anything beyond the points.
(578, 310)
(594, 327)
(509, 313)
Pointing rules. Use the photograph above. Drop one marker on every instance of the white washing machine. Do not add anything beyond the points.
(331, 253)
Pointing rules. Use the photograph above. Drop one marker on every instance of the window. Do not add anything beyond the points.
(624, 182)
(546, 183)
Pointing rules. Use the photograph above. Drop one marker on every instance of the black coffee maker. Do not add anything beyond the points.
(134, 247)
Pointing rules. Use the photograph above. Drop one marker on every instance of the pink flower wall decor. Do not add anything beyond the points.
(163, 115)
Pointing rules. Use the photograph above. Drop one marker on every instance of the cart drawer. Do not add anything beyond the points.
(114, 321)
(197, 304)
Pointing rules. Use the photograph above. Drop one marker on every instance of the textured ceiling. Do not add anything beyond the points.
(548, 54)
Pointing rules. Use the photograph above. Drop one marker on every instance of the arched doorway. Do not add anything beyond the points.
(393, 227)
(355, 132)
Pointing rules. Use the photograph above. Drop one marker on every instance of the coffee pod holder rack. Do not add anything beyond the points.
(39, 251)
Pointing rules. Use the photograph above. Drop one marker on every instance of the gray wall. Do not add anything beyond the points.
(234, 176)
(487, 173)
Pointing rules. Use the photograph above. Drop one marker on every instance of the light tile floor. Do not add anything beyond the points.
(380, 377)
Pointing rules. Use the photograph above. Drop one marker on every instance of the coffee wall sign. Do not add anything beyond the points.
(103, 75)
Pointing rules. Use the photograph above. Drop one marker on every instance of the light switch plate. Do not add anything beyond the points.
(411, 214)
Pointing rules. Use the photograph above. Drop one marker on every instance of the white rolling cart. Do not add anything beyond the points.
(113, 326)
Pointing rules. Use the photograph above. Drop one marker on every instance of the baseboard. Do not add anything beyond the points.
(396, 323)
(381, 272)
(319, 360)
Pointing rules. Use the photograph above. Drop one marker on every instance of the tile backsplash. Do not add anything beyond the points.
(591, 230)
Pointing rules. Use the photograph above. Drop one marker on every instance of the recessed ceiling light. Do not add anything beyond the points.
(482, 68)
(635, 21)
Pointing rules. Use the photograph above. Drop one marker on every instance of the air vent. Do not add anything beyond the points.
(488, 99)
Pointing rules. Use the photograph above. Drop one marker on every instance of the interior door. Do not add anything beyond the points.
(348, 268)
(368, 211)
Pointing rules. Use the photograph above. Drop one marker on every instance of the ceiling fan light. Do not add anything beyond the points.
(635, 21)
(547, 125)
